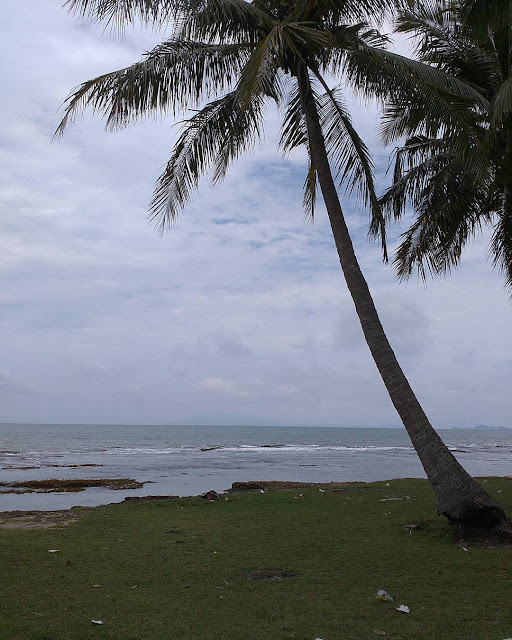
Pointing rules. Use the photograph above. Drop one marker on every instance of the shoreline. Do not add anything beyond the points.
(8, 518)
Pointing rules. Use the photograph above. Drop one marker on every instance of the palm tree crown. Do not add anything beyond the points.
(457, 172)
(237, 57)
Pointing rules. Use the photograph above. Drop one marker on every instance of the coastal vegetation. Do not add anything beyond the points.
(300, 562)
(240, 56)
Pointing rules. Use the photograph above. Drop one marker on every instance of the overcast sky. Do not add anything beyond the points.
(238, 315)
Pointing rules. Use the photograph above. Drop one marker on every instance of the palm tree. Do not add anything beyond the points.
(240, 56)
(456, 173)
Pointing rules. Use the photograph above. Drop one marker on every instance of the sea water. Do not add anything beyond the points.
(187, 460)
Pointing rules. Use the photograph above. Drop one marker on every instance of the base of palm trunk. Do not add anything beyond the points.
(479, 518)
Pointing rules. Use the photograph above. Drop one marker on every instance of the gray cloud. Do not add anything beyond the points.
(239, 313)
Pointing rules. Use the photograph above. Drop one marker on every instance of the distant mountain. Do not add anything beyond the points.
(486, 427)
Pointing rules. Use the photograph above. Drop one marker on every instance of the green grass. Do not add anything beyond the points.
(180, 569)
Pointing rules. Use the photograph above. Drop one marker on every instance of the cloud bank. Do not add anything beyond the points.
(238, 315)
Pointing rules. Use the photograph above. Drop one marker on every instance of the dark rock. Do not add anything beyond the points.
(247, 486)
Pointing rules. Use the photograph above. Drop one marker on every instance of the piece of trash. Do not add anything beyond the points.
(95, 586)
(411, 526)
(384, 596)
(261, 491)
(321, 490)
(464, 549)
(403, 608)
(53, 550)
(134, 586)
(379, 633)
(225, 499)
(97, 621)
(387, 484)
(388, 499)
(500, 491)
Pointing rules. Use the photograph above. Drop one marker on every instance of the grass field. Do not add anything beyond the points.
(282, 564)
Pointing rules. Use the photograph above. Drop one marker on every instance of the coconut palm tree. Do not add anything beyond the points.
(457, 174)
(238, 57)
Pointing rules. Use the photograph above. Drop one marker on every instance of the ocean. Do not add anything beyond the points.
(188, 460)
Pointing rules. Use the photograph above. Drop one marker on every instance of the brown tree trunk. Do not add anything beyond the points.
(460, 498)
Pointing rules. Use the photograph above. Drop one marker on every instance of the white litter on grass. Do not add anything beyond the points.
(261, 491)
(53, 550)
(384, 596)
(403, 608)
(321, 490)
(464, 549)
(97, 621)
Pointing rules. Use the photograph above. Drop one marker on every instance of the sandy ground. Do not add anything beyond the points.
(37, 519)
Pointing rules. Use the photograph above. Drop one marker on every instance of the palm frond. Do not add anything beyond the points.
(259, 74)
(176, 73)
(118, 13)
(213, 137)
(310, 190)
(294, 135)
(377, 73)
(444, 44)
(500, 248)
(224, 21)
(479, 15)
(449, 212)
(293, 130)
(501, 107)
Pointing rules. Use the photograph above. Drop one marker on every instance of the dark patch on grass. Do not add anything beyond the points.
(269, 574)
(36, 519)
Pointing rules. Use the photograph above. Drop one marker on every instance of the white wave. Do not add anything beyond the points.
(248, 449)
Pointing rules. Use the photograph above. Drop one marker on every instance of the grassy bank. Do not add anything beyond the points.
(282, 564)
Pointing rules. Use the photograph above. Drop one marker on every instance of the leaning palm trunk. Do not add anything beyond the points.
(460, 498)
